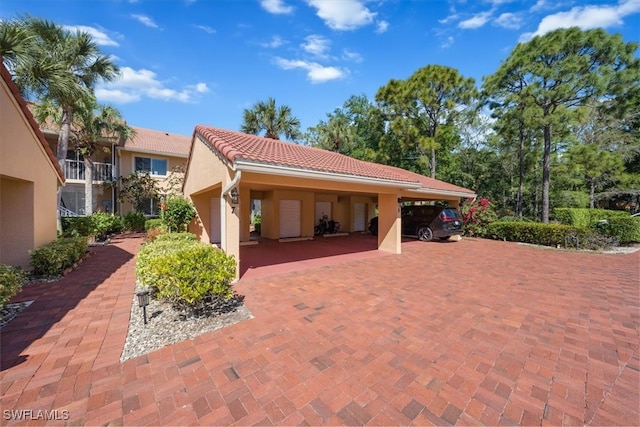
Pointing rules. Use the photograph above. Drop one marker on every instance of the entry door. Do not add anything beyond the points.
(359, 217)
(323, 208)
(215, 233)
(290, 218)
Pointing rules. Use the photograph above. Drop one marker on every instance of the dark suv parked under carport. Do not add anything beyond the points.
(427, 222)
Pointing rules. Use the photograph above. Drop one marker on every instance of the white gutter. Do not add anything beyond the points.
(445, 192)
(327, 176)
(223, 208)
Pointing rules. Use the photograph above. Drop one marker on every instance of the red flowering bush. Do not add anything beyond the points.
(477, 215)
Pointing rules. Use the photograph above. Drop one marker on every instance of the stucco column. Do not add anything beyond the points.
(389, 226)
(245, 213)
(232, 231)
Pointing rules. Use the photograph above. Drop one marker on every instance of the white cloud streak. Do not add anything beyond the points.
(382, 27)
(275, 42)
(316, 73)
(137, 84)
(586, 17)
(207, 29)
(343, 15)
(316, 45)
(475, 21)
(277, 7)
(511, 21)
(98, 35)
(145, 20)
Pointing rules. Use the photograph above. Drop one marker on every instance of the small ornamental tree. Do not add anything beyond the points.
(477, 215)
(177, 213)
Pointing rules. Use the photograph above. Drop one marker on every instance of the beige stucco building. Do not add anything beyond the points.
(228, 171)
(29, 179)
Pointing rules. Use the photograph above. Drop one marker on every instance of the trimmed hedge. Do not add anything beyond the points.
(534, 232)
(99, 224)
(583, 217)
(626, 229)
(154, 223)
(190, 274)
(134, 221)
(52, 259)
(11, 281)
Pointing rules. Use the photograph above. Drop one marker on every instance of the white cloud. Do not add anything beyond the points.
(476, 21)
(275, 42)
(351, 56)
(145, 20)
(316, 45)
(316, 73)
(276, 7)
(540, 5)
(99, 36)
(343, 15)
(509, 20)
(452, 17)
(586, 17)
(447, 43)
(134, 85)
(206, 29)
(382, 27)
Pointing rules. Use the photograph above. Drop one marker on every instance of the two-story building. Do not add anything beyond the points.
(159, 153)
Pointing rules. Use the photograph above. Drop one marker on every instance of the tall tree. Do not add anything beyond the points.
(274, 121)
(54, 63)
(562, 70)
(431, 97)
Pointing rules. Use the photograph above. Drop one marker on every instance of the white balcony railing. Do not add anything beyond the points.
(74, 169)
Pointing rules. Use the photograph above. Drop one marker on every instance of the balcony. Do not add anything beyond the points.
(74, 169)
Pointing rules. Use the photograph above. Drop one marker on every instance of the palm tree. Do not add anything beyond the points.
(94, 123)
(55, 64)
(264, 116)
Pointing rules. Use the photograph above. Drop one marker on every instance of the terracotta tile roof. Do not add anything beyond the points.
(6, 76)
(155, 141)
(236, 146)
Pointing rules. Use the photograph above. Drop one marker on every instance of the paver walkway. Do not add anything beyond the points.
(472, 332)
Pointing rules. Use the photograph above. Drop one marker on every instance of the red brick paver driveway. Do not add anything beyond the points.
(471, 332)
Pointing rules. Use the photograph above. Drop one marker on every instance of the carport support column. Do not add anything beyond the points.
(389, 226)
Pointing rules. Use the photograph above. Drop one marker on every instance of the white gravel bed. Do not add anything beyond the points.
(166, 326)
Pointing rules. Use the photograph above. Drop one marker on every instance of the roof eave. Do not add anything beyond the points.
(445, 192)
(323, 175)
(153, 152)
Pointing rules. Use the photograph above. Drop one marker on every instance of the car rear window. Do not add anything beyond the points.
(449, 214)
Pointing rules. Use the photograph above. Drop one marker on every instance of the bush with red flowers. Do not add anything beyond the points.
(477, 215)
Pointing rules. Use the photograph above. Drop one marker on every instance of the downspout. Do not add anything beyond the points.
(223, 209)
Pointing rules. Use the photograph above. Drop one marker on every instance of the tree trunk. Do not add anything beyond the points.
(546, 173)
(433, 163)
(61, 153)
(88, 185)
(521, 155)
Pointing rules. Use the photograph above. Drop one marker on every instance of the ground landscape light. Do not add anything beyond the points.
(143, 301)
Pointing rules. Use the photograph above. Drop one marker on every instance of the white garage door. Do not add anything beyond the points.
(215, 235)
(359, 216)
(290, 218)
(323, 208)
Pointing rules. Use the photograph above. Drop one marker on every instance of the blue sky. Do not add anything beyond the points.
(188, 62)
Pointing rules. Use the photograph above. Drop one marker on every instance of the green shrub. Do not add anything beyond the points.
(178, 213)
(512, 218)
(177, 237)
(134, 221)
(11, 281)
(189, 274)
(625, 229)
(583, 217)
(77, 226)
(153, 223)
(535, 232)
(105, 223)
(52, 259)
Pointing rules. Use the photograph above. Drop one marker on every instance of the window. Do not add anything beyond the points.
(157, 167)
(149, 207)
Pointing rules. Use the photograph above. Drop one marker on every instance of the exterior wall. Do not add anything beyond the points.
(125, 165)
(29, 181)
(271, 212)
(389, 227)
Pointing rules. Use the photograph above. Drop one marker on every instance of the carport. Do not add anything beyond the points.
(295, 184)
